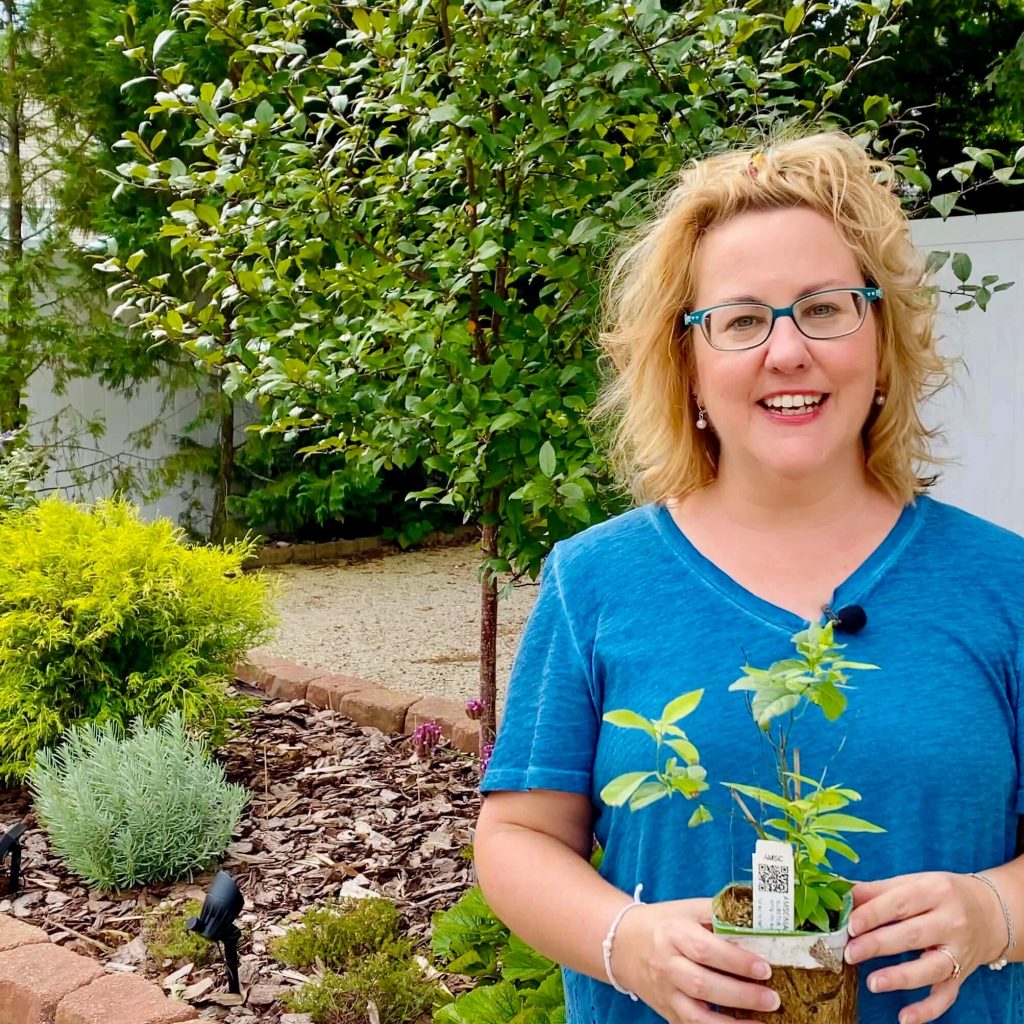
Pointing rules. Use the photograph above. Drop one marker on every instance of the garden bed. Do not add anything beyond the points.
(335, 810)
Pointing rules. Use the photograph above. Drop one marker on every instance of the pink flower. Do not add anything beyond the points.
(475, 708)
(485, 755)
(425, 738)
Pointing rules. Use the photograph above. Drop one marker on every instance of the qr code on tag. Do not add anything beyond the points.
(772, 877)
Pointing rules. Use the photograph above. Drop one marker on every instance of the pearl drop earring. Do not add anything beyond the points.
(880, 398)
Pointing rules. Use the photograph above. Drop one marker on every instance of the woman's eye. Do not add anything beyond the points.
(821, 309)
(743, 323)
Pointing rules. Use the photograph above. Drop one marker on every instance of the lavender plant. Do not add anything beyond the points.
(126, 810)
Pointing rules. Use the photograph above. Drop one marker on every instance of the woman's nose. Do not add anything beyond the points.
(786, 347)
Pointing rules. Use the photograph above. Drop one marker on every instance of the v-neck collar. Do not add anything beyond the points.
(850, 591)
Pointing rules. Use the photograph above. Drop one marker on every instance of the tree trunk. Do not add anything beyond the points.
(13, 338)
(489, 631)
(225, 472)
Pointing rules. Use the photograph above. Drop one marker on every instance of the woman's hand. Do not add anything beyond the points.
(930, 911)
(667, 954)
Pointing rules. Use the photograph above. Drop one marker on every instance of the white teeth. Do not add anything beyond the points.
(792, 401)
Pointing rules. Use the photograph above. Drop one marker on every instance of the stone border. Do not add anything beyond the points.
(42, 983)
(364, 701)
(284, 553)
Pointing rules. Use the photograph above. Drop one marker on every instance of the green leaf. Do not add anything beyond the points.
(647, 794)
(264, 114)
(677, 709)
(362, 19)
(944, 204)
(161, 41)
(794, 18)
(844, 823)
(208, 214)
(962, 266)
(685, 749)
(547, 459)
(762, 796)
(626, 719)
(620, 789)
(500, 370)
(699, 816)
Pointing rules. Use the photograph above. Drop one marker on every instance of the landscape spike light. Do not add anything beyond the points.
(11, 843)
(215, 923)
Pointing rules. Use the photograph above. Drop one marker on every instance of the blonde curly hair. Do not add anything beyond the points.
(655, 447)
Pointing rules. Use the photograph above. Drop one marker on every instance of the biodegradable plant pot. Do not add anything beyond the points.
(813, 981)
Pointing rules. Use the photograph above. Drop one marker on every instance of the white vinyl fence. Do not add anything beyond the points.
(983, 418)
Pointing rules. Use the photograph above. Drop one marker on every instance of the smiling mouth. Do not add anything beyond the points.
(794, 405)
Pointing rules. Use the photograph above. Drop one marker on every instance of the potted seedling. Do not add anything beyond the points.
(794, 912)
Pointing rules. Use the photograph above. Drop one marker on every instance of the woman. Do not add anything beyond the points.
(772, 340)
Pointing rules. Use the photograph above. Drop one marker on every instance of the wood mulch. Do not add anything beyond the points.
(336, 810)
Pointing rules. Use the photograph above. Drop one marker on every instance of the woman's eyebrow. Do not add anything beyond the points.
(820, 286)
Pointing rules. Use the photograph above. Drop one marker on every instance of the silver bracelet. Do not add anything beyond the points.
(606, 946)
(1001, 961)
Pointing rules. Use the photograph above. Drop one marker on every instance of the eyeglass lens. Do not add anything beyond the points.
(826, 315)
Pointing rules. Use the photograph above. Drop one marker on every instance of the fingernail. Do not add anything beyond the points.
(771, 1001)
(850, 955)
(850, 929)
(763, 970)
(877, 984)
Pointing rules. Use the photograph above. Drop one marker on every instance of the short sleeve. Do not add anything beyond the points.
(548, 732)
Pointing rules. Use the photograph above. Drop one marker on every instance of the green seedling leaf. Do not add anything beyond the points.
(620, 789)
(845, 823)
(763, 796)
(699, 816)
(686, 750)
(626, 719)
(647, 794)
(678, 709)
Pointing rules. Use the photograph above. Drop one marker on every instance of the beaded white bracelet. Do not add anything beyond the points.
(606, 946)
(1001, 961)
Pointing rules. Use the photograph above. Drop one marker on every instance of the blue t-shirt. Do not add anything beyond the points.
(630, 615)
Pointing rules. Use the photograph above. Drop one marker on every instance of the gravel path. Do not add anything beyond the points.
(408, 620)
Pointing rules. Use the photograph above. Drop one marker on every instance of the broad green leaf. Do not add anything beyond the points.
(620, 789)
(547, 459)
(626, 719)
(678, 709)
(962, 266)
(647, 794)
(844, 823)
(794, 18)
(685, 749)
(699, 816)
(944, 204)
(264, 114)
(161, 41)
(762, 796)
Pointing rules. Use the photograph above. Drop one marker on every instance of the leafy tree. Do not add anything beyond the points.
(51, 313)
(398, 214)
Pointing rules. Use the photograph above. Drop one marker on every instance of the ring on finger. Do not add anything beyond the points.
(957, 969)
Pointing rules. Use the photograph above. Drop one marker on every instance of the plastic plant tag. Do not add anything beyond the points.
(774, 881)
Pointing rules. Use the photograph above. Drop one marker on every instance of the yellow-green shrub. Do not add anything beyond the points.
(106, 618)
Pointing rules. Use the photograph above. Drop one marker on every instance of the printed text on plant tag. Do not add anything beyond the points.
(773, 886)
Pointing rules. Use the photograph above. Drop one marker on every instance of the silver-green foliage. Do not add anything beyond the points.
(125, 810)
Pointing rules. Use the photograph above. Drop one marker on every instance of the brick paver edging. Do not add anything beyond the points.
(367, 703)
(41, 983)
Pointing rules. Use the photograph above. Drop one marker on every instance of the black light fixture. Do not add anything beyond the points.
(215, 923)
(11, 843)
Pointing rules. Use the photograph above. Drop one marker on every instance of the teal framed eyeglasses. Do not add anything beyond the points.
(822, 316)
